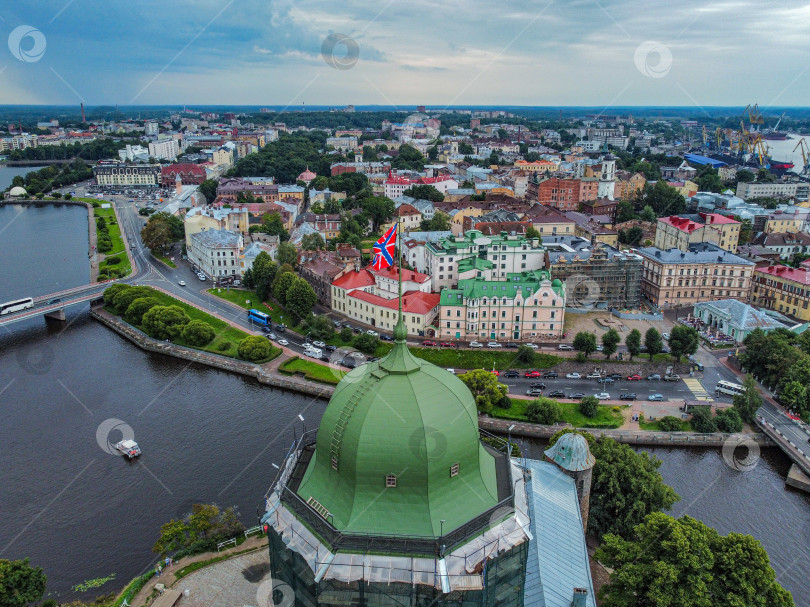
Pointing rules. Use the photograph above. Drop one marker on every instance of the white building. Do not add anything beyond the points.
(151, 128)
(134, 153)
(166, 149)
(216, 252)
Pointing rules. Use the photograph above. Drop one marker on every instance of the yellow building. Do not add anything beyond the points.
(783, 289)
(200, 220)
(785, 222)
(538, 166)
(679, 232)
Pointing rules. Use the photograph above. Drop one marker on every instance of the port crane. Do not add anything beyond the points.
(754, 115)
(805, 150)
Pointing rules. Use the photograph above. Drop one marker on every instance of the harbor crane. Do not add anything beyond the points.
(805, 150)
(754, 115)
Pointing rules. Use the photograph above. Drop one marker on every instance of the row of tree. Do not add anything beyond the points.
(279, 281)
(683, 341)
(53, 177)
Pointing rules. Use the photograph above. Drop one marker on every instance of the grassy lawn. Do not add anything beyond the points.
(312, 370)
(118, 250)
(225, 333)
(483, 359)
(606, 417)
(164, 259)
(240, 297)
(686, 426)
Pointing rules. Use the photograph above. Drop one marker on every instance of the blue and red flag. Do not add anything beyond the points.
(384, 249)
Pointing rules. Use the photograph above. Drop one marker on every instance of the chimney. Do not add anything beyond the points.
(580, 597)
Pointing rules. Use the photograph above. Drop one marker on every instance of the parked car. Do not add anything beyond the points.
(348, 362)
(448, 344)
(535, 374)
(665, 336)
(325, 358)
(337, 324)
(357, 355)
(654, 377)
(266, 329)
(281, 328)
(271, 335)
(182, 283)
(565, 347)
(606, 380)
(573, 376)
(453, 371)
(655, 397)
(538, 384)
(494, 344)
(593, 375)
(476, 344)
(201, 276)
(319, 344)
(672, 377)
(556, 394)
(385, 337)
(330, 348)
(636, 377)
(357, 330)
(511, 374)
(615, 376)
(495, 372)
(600, 348)
(534, 392)
(428, 343)
(576, 395)
(532, 346)
(372, 332)
(602, 395)
(550, 375)
(628, 396)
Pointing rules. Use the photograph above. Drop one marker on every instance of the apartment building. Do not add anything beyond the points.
(216, 252)
(783, 289)
(704, 272)
(564, 194)
(165, 149)
(115, 174)
(680, 232)
(523, 307)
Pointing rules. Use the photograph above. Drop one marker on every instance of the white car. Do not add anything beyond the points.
(532, 346)
(665, 336)
(602, 396)
(318, 344)
(593, 375)
(357, 355)
(494, 344)
(372, 333)
(573, 376)
(182, 283)
(475, 344)
(565, 347)
(283, 342)
(201, 276)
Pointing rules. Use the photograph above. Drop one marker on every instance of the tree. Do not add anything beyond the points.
(484, 387)
(20, 584)
(585, 342)
(367, 343)
(702, 420)
(253, 348)
(525, 354)
(625, 211)
(300, 299)
(165, 322)
(208, 188)
(440, 222)
(670, 423)
(125, 297)
(176, 225)
(424, 192)
(544, 411)
(652, 341)
(139, 307)
(282, 286)
(749, 401)
(157, 235)
(794, 396)
(589, 406)
(273, 224)
(198, 333)
(262, 275)
(664, 199)
(346, 335)
(633, 343)
(379, 209)
(408, 157)
(683, 340)
(113, 290)
(631, 236)
(531, 232)
(610, 343)
(648, 214)
(319, 327)
(313, 242)
(287, 253)
(728, 420)
(668, 562)
(744, 176)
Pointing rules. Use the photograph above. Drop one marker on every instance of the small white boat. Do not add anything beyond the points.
(129, 448)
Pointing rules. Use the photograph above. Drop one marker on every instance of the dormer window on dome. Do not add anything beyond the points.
(391, 481)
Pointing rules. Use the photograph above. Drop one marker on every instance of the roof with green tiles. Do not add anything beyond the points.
(474, 263)
(474, 238)
(527, 283)
(405, 417)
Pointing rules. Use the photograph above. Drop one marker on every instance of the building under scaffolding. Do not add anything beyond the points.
(596, 275)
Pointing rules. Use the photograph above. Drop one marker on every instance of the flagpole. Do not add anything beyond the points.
(399, 254)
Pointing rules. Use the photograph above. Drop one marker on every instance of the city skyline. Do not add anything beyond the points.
(579, 54)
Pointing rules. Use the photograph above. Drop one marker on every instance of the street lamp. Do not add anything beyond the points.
(509, 440)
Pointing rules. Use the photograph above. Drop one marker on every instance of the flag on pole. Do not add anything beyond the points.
(384, 249)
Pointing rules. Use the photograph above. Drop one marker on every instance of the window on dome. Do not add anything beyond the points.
(454, 470)
(334, 463)
(391, 481)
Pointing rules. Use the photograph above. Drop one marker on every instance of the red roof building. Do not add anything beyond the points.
(190, 174)
(783, 289)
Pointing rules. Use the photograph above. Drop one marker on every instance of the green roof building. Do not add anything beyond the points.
(395, 500)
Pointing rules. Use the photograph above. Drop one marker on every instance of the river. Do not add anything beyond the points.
(210, 436)
(8, 173)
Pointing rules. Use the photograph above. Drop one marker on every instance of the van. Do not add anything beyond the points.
(313, 352)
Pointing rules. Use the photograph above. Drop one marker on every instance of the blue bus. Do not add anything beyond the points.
(260, 318)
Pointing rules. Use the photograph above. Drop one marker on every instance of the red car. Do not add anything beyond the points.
(448, 344)
(427, 342)
(495, 372)
(635, 377)
(532, 373)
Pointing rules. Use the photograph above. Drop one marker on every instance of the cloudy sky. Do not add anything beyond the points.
(455, 52)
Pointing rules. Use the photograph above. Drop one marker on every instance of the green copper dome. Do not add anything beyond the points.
(398, 451)
(571, 452)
